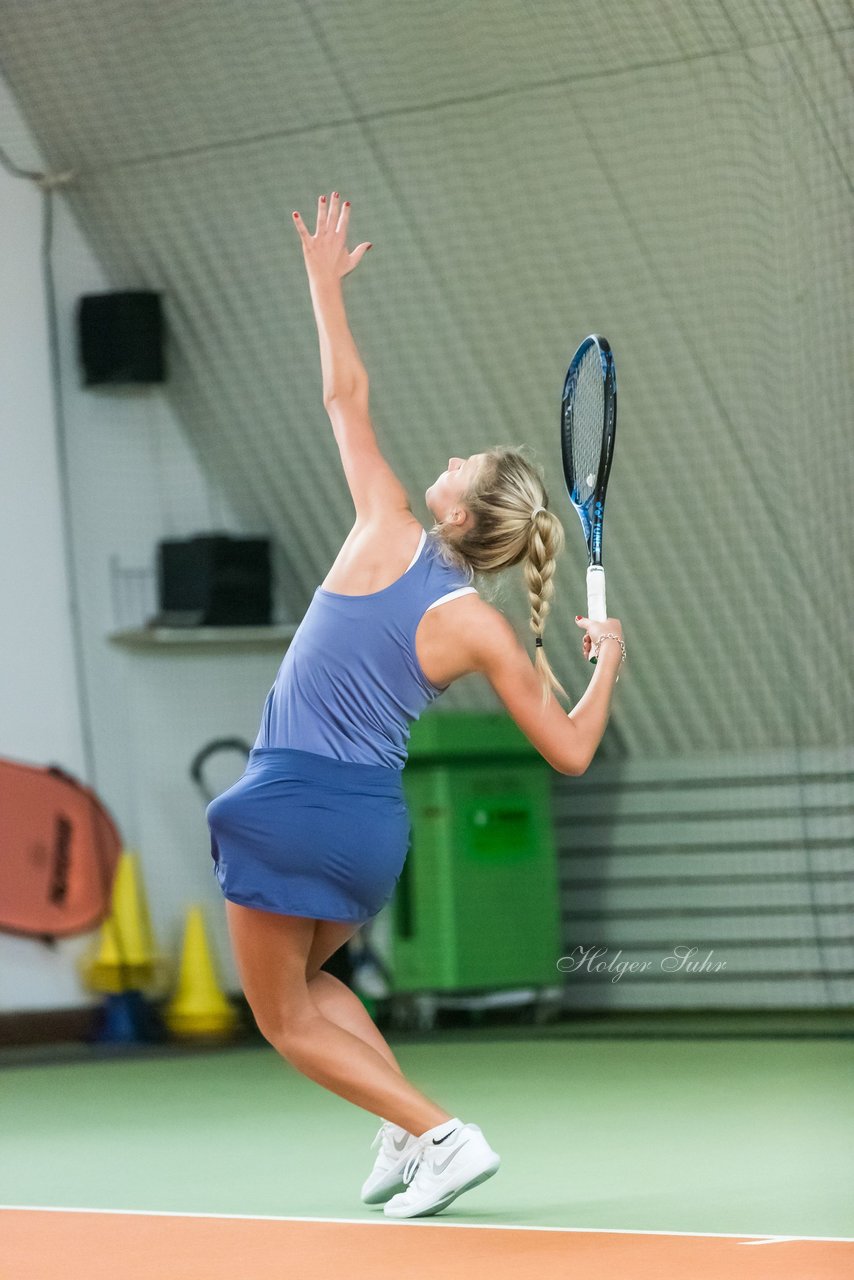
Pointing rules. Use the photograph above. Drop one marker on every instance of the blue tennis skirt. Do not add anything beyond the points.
(309, 835)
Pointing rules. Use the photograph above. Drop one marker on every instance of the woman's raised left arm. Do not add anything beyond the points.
(327, 261)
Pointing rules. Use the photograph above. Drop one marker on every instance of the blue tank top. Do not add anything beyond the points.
(350, 684)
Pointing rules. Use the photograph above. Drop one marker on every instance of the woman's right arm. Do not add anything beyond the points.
(591, 713)
(567, 741)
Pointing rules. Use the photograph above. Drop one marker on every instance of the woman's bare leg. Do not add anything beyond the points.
(272, 953)
(342, 1006)
(334, 998)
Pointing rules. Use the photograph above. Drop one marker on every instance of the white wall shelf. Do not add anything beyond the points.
(207, 638)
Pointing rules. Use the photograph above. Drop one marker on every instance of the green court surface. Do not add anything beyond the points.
(732, 1136)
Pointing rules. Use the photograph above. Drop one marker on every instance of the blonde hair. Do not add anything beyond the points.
(504, 492)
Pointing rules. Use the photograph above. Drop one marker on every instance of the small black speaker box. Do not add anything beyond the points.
(214, 580)
(121, 337)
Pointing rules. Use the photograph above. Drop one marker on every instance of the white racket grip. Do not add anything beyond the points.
(596, 610)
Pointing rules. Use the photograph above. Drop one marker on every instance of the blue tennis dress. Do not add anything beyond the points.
(318, 824)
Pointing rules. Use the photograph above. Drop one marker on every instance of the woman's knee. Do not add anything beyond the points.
(290, 1033)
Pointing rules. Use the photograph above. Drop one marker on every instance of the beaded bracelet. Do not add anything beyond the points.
(610, 635)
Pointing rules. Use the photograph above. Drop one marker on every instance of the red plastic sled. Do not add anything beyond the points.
(59, 850)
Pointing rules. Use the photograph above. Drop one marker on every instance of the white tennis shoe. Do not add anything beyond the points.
(386, 1177)
(437, 1172)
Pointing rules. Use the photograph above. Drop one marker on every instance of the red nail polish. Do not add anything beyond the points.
(296, 215)
(323, 199)
(346, 204)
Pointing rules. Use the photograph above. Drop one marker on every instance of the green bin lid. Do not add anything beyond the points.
(468, 733)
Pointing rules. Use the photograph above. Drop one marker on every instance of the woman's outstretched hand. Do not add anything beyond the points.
(325, 252)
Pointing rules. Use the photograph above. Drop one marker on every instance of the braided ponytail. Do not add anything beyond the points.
(512, 525)
(545, 543)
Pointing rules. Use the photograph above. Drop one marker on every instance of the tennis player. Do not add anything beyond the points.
(311, 840)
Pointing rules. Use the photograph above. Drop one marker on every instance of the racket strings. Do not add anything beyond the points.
(586, 413)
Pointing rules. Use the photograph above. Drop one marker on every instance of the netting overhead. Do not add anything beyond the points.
(675, 176)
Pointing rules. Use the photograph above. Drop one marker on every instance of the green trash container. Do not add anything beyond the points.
(476, 905)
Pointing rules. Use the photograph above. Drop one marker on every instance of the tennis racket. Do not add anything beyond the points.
(588, 424)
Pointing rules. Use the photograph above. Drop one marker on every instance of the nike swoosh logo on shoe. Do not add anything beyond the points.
(440, 1168)
(438, 1141)
(398, 1146)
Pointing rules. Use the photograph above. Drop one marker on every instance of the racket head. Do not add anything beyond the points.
(588, 426)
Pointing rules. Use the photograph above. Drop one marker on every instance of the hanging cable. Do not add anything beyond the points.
(48, 184)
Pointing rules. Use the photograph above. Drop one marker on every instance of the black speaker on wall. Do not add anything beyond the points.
(214, 580)
(121, 337)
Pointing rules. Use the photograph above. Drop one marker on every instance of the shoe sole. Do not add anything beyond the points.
(383, 1196)
(452, 1195)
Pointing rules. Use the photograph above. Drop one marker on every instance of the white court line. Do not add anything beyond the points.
(773, 1240)
(741, 1236)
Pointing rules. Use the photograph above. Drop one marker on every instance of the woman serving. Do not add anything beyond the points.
(309, 843)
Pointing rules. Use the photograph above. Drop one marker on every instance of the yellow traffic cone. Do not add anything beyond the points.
(199, 1007)
(123, 957)
(101, 966)
(130, 910)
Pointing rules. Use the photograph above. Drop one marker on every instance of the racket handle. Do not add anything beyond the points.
(596, 608)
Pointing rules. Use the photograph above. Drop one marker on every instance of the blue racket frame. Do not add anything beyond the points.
(591, 511)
